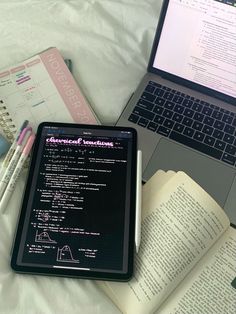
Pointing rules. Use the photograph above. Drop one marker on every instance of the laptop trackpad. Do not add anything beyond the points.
(214, 177)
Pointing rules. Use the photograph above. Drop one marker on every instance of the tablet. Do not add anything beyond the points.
(78, 212)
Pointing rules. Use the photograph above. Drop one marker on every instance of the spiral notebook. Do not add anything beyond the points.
(6, 128)
(41, 89)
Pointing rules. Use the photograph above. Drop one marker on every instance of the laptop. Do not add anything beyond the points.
(184, 109)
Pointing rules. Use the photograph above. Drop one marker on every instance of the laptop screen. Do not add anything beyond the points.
(198, 43)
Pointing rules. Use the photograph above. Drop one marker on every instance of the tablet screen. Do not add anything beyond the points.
(78, 210)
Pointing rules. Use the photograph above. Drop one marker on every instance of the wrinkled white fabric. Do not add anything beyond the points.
(109, 42)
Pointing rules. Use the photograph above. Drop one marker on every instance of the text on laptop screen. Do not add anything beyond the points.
(198, 43)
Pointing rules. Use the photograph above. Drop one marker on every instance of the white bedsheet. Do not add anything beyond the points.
(109, 43)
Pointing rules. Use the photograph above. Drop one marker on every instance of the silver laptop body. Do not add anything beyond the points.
(184, 109)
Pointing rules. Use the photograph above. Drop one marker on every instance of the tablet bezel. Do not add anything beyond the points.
(70, 272)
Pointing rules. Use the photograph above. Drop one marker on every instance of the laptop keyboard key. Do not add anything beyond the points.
(145, 104)
(168, 123)
(163, 131)
(229, 159)
(207, 111)
(187, 121)
(208, 120)
(167, 114)
(179, 109)
(150, 89)
(214, 107)
(178, 127)
(188, 113)
(229, 129)
(158, 109)
(188, 103)
(209, 140)
(133, 118)
(159, 119)
(207, 130)
(197, 107)
(197, 126)
(228, 119)
(152, 126)
(148, 96)
(190, 142)
(168, 96)
(177, 117)
(188, 132)
(220, 145)
(166, 88)
(218, 134)
(199, 136)
(154, 84)
(178, 99)
(169, 105)
(160, 101)
(219, 125)
(228, 139)
(143, 113)
(217, 114)
(223, 110)
(159, 92)
(198, 117)
(143, 122)
(230, 149)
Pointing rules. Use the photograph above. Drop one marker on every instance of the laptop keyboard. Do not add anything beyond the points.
(187, 120)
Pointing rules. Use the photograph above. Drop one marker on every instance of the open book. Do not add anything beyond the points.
(41, 89)
(187, 258)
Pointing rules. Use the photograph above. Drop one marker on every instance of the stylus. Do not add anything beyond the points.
(16, 155)
(138, 201)
(11, 185)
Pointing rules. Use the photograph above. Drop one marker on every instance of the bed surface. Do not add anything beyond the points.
(109, 43)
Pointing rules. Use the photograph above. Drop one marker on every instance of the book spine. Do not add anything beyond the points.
(7, 126)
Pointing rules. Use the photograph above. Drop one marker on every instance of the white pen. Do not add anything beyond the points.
(12, 149)
(12, 164)
(138, 201)
(20, 164)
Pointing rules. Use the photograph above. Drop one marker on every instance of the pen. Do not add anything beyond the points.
(16, 155)
(11, 185)
(12, 147)
(138, 201)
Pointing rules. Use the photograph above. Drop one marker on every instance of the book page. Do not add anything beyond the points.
(180, 224)
(155, 183)
(158, 180)
(208, 288)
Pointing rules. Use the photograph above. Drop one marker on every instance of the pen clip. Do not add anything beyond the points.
(24, 125)
(23, 135)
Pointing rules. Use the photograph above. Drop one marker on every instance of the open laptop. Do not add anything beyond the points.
(185, 107)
